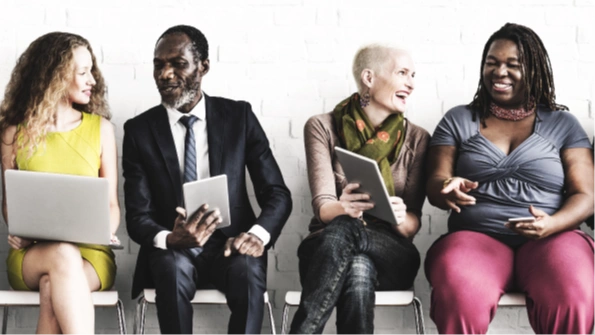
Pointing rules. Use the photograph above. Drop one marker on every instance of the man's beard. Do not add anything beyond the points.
(190, 91)
(187, 96)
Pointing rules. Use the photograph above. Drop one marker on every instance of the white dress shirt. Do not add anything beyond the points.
(178, 130)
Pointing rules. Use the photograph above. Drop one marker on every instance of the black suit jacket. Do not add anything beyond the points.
(153, 187)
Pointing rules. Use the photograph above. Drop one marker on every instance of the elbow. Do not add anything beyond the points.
(433, 201)
(589, 202)
(437, 201)
(407, 232)
(131, 227)
(4, 211)
(289, 206)
(114, 206)
(282, 197)
(412, 224)
(286, 196)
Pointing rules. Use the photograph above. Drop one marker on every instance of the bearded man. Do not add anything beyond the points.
(191, 136)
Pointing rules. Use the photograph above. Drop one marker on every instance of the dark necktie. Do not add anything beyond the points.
(190, 149)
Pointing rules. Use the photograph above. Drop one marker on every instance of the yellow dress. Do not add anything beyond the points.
(78, 152)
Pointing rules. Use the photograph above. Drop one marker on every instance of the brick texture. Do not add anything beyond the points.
(292, 59)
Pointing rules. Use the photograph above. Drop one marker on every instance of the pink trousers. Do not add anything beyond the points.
(469, 271)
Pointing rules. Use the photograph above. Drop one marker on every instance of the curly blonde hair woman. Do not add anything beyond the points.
(54, 119)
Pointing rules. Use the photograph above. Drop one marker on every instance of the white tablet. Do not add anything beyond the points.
(364, 171)
(212, 191)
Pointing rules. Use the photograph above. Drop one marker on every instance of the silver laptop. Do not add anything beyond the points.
(59, 207)
(365, 171)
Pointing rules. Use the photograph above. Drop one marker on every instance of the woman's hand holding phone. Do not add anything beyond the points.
(534, 227)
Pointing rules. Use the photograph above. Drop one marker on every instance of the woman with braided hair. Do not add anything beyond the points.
(512, 152)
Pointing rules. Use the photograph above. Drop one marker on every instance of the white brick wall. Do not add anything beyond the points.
(291, 59)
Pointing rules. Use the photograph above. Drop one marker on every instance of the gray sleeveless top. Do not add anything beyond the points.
(532, 174)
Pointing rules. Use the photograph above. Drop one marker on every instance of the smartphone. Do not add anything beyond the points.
(521, 219)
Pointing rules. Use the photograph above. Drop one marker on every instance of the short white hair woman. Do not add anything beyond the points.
(350, 254)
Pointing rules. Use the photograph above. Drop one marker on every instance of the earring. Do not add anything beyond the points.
(364, 100)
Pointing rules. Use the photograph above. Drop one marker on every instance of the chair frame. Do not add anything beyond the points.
(31, 299)
(383, 299)
(202, 297)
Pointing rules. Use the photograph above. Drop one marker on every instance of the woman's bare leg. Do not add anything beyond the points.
(70, 290)
(47, 324)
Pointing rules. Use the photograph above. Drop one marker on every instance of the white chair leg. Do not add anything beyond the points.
(4, 319)
(141, 310)
(271, 318)
(139, 319)
(420, 326)
(284, 319)
(121, 316)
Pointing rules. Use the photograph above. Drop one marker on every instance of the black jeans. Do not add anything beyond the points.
(343, 266)
(178, 273)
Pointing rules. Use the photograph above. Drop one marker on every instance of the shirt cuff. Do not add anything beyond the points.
(160, 240)
(261, 233)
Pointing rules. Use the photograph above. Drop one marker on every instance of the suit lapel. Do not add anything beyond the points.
(215, 135)
(165, 141)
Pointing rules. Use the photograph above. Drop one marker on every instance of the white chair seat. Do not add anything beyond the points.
(201, 297)
(28, 298)
(383, 298)
(512, 299)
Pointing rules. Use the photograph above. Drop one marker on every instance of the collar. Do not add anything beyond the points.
(199, 111)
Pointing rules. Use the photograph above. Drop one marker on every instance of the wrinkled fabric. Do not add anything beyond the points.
(532, 174)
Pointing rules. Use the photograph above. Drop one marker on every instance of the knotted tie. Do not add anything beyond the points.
(190, 149)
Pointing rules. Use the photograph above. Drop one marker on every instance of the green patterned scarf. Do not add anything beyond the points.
(381, 144)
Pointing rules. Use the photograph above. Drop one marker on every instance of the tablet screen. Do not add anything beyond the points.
(364, 171)
(212, 191)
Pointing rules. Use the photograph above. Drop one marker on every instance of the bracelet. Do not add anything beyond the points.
(447, 181)
(361, 218)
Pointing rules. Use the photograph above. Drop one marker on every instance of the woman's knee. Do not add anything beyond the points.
(64, 256)
(361, 276)
(342, 229)
(564, 295)
(362, 269)
(466, 273)
(545, 271)
(469, 256)
(44, 287)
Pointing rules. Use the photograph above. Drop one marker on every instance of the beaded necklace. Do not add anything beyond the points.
(511, 114)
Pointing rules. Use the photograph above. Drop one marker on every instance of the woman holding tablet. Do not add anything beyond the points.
(513, 152)
(53, 118)
(348, 254)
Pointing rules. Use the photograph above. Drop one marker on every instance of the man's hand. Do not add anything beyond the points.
(245, 244)
(195, 231)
